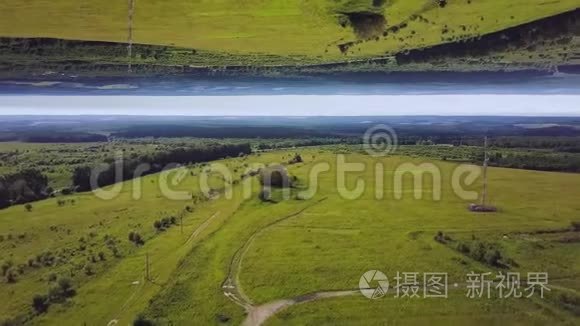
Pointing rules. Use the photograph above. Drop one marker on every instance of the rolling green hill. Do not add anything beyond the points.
(260, 252)
(310, 28)
(257, 33)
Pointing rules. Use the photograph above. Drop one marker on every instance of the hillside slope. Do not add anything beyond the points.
(316, 29)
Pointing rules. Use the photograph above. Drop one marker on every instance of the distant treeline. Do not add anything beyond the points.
(81, 179)
(535, 160)
(557, 144)
(64, 138)
(23, 187)
(559, 28)
(50, 46)
(52, 137)
(288, 143)
(176, 131)
(565, 144)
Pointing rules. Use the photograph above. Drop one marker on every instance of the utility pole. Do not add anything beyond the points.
(485, 164)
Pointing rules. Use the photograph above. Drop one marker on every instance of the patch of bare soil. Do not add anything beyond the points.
(258, 315)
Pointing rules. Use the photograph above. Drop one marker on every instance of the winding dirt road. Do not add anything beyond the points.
(257, 315)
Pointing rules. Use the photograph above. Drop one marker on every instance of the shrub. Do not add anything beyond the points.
(66, 191)
(570, 301)
(463, 248)
(132, 236)
(511, 262)
(478, 251)
(28, 207)
(6, 266)
(11, 275)
(439, 237)
(40, 303)
(88, 269)
(492, 257)
(296, 159)
(142, 321)
(66, 287)
(136, 238)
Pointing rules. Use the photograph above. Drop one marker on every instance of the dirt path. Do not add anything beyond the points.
(230, 285)
(200, 228)
(143, 280)
(258, 315)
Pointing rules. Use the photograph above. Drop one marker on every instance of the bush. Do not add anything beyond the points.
(492, 257)
(28, 207)
(136, 238)
(296, 159)
(11, 275)
(132, 236)
(66, 287)
(478, 251)
(40, 303)
(88, 269)
(463, 248)
(142, 321)
(570, 301)
(6, 266)
(440, 237)
(66, 191)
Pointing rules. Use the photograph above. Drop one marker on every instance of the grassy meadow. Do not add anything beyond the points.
(311, 30)
(287, 248)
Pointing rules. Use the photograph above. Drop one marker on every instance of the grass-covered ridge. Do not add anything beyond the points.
(273, 33)
(286, 248)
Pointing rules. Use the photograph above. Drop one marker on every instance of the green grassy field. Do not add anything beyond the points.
(293, 247)
(309, 28)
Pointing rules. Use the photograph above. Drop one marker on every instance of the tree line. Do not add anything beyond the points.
(23, 187)
(126, 169)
